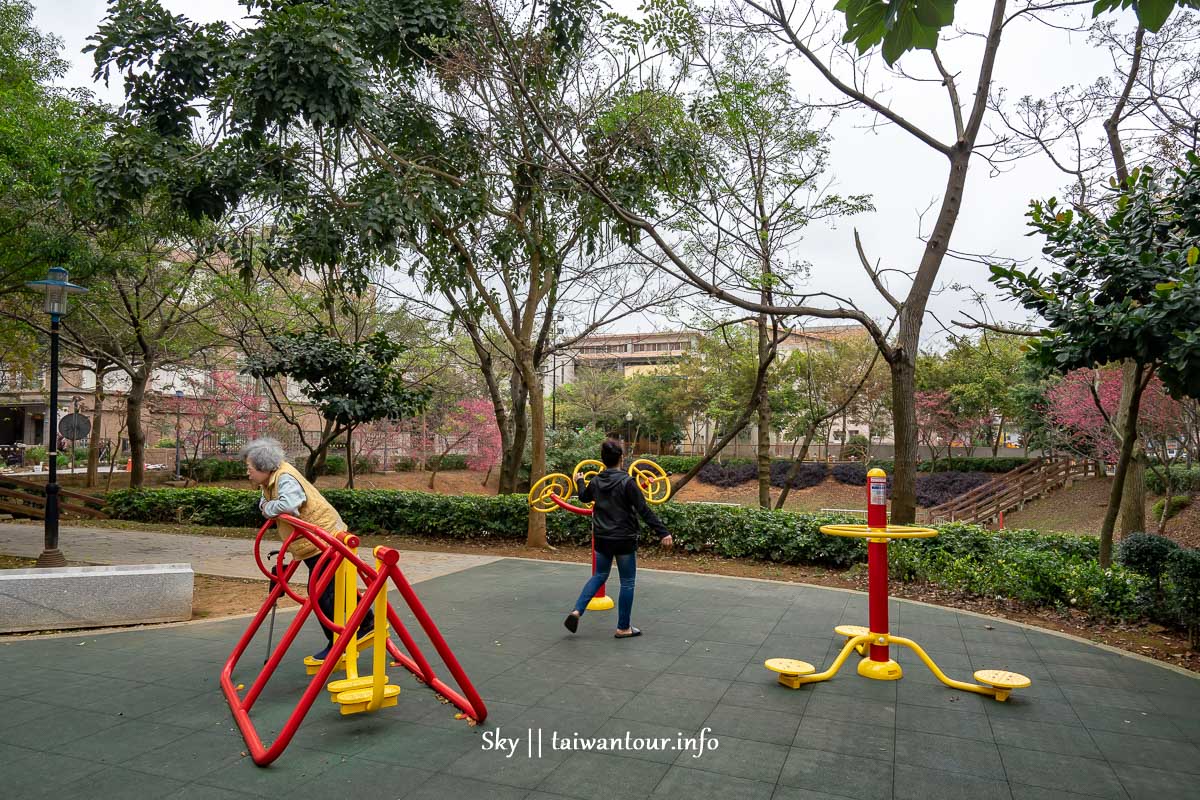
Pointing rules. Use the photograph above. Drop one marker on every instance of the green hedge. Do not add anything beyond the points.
(1039, 569)
(726, 530)
(1178, 503)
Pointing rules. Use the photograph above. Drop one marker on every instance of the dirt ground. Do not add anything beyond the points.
(1080, 509)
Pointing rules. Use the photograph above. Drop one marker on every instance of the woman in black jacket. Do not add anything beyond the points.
(618, 503)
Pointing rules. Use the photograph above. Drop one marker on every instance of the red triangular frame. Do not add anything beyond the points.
(336, 549)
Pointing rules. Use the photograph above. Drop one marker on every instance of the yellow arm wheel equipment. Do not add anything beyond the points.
(555, 483)
(652, 480)
(588, 468)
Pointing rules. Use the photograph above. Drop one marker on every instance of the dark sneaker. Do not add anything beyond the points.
(572, 622)
(321, 654)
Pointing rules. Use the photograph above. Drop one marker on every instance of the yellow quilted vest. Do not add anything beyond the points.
(315, 510)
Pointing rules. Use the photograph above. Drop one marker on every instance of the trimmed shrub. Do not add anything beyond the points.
(404, 464)
(364, 465)
(811, 473)
(727, 475)
(1183, 574)
(850, 474)
(940, 487)
(1178, 503)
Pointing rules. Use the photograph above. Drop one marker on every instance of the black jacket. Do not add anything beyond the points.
(618, 501)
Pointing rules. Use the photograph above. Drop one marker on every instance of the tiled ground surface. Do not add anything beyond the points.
(139, 714)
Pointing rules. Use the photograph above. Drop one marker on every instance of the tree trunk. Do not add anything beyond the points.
(133, 418)
(536, 532)
(514, 452)
(1128, 443)
(316, 456)
(764, 419)
(93, 465)
(1133, 496)
(904, 421)
(999, 436)
(796, 465)
(350, 458)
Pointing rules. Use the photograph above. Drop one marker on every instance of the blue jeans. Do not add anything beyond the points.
(627, 568)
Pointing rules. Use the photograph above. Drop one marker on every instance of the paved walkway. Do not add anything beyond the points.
(208, 555)
(139, 714)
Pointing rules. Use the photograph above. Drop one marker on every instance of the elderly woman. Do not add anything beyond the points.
(285, 491)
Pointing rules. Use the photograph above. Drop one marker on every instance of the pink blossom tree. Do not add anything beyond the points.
(471, 421)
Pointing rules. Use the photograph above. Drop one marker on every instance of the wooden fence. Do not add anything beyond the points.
(1012, 490)
(23, 498)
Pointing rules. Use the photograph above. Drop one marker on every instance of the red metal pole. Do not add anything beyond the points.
(877, 575)
(877, 595)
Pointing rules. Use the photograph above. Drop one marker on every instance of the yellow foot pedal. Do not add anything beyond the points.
(349, 684)
(355, 701)
(1002, 681)
(850, 631)
(790, 670)
(313, 665)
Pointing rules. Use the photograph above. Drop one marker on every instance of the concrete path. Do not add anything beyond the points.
(208, 555)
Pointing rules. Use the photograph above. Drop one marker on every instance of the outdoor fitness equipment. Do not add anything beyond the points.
(873, 642)
(355, 693)
(551, 491)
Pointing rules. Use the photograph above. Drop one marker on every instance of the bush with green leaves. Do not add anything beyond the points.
(856, 448)
(1183, 576)
(209, 470)
(1056, 570)
(1024, 565)
(1183, 478)
(334, 465)
(449, 461)
(1178, 503)
(404, 464)
(1146, 554)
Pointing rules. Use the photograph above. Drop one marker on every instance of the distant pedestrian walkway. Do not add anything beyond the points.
(208, 555)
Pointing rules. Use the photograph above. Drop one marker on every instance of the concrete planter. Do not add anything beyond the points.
(94, 597)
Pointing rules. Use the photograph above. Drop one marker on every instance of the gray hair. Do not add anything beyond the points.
(264, 454)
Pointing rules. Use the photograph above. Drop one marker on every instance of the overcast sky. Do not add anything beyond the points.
(904, 176)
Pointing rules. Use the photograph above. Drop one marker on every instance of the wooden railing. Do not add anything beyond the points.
(28, 499)
(1011, 490)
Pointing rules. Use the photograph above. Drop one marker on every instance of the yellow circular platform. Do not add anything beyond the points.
(1002, 679)
(890, 532)
(850, 631)
(789, 666)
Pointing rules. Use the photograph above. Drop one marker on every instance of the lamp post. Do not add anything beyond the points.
(558, 318)
(57, 289)
(178, 405)
(629, 430)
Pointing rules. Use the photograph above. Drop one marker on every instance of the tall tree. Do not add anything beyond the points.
(1126, 288)
(898, 343)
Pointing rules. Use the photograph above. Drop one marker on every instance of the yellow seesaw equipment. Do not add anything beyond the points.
(872, 643)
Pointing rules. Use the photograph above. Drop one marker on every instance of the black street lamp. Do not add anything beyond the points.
(57, 289)
(178, 405)
(629, 432)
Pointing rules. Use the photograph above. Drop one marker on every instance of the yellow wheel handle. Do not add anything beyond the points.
(555, 483)
(588, 468)
(652, 480)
